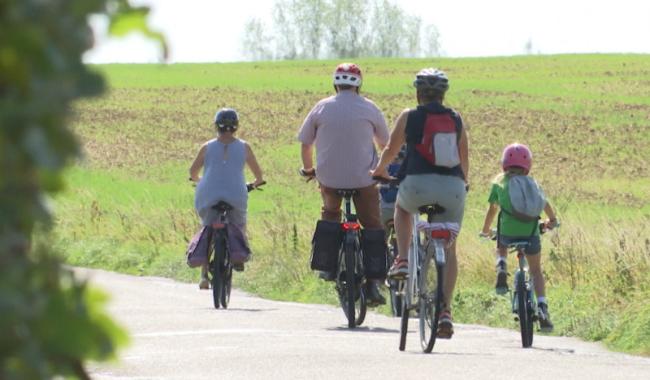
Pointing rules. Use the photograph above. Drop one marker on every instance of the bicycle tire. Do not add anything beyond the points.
(431, 275)
(525, 317)
(217, 269)
(393, 285)
(360, 307)
(404, 325)
(227, 286)
(350, 284)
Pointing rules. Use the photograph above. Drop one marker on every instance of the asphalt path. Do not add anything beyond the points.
(177, 334)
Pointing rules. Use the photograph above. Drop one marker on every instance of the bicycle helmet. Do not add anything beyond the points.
(517, 156)
(431, 80)
(348, 74)
(226, 119)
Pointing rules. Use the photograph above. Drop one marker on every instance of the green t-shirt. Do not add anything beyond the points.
(510, 226)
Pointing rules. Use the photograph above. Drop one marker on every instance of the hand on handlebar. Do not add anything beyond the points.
(491, 235)
(307, 173)
(255, 185)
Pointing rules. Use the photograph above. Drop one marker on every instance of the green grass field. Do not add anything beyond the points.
(129, 206)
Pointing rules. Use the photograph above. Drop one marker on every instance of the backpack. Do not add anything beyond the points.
(526, 197)
(440, 136)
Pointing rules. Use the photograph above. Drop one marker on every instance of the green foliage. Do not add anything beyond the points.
(50, 322)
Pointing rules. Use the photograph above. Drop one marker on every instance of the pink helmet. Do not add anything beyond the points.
(348, 73)
(517, 155)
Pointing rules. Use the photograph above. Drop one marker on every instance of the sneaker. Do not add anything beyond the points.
(501, 286)
(399, 270)
(327, 276)
(205, 281)
(545, 324)
(239, 267)
(373, 295)
(445, 325)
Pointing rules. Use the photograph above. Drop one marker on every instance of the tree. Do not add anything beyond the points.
(255, 43)
(343, 29)
(431, 41)
(50, 322)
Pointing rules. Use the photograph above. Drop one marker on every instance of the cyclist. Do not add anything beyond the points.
(344, 129)
(223, 159)
(436, 167)
(516, 161)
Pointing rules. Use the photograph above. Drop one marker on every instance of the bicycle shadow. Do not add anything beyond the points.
(364, 329)
(247, 310)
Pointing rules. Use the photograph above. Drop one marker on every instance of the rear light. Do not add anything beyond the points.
(218, 226)
(351, 226)
(441, 234)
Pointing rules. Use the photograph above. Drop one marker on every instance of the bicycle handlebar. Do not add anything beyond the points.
(309, 174)
(251, 186)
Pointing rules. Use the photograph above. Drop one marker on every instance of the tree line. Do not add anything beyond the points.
(314, 29)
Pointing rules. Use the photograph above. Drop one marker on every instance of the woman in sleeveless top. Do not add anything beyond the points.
(435, 170)
(223, 160)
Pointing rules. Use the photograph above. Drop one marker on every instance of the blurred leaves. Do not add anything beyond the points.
(50, 322)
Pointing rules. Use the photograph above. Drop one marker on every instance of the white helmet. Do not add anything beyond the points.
(431, 80)
(348, 73)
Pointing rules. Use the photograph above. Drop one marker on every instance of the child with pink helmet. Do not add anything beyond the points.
(516, 161)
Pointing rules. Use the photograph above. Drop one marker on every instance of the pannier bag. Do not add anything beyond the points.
(526, 197)
(375, 253)
(240, 250)
(199, 247)
(325, 246)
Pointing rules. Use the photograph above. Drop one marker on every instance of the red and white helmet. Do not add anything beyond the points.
(517, 155)
(348, 73)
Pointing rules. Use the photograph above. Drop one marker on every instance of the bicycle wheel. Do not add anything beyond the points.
(350, 285)
(430, 301)
(404, 325)
(227, 286)
(360, 307)
(217, 269)
(525, 317)
(393, 285)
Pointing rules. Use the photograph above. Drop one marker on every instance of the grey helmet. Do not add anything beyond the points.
(431, 81)
(226, 119)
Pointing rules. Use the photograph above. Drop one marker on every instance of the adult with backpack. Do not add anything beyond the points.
(344, 128)
(520, 201)
(435, 168)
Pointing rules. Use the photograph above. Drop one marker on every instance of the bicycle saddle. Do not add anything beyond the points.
(222, 206)
(347, 193)
(518, 244)
(432, 209)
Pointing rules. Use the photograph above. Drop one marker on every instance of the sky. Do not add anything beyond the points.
(211, 30)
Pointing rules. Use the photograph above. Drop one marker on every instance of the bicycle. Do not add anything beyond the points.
(349, 283)
(220, 266)
(423, 288)
(523, 288)
(393, 285)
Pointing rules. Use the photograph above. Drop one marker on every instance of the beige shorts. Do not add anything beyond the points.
(423, 189)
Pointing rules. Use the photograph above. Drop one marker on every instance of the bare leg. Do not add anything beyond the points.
(403, 230)
(451, 273)
(535, 266)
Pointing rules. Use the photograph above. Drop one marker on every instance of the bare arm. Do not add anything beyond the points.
(489, 218)
(395, 143)
(198, 163)
(307, 154)
(552, 218)
(464, 153)
(251, 161)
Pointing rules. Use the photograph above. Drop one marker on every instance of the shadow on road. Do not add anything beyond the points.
(241, 309)
(364, 329)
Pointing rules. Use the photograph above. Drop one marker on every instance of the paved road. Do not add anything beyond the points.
(176, 334)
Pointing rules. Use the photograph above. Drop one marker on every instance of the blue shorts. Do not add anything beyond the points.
(533, 248)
